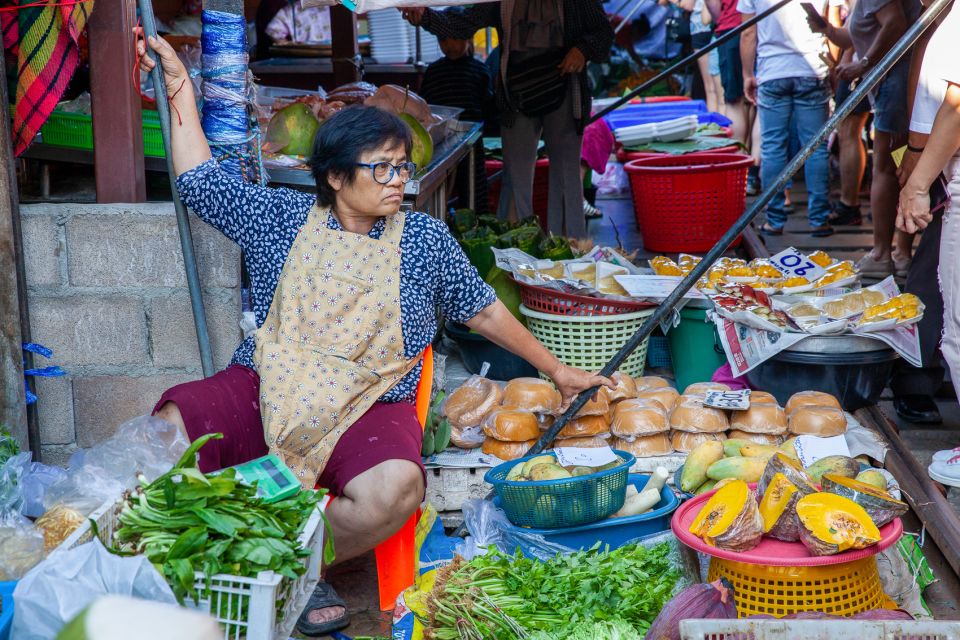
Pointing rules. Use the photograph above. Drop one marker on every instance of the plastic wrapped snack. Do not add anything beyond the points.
(685, 442)
(666, 396)
(599, 405)
(626, 387)
(467, 437)
(21, 546)
(57, 524)
(808, 398)
(820, 421)
(532, 394)
(646, 383)
(639, 418)
(473, 401)
(507, 450)
(759, 438)
(589, 442)
(511, 425)
(585, 427)
(657, 444)
(761, 417)
(701, 388)
(692, 416)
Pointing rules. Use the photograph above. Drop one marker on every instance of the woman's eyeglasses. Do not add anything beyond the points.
(383, 172)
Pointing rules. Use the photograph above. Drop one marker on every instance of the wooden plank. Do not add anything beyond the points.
(806, 241)
(941, 521)
(13, 407)
(346, 49)
(754, 245)
(115, 103)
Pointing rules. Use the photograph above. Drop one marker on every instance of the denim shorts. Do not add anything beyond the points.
(731, 70)
(713, 63)
(843, 92)
(890, 100)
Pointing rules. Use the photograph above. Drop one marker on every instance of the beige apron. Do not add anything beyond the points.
(331, 344)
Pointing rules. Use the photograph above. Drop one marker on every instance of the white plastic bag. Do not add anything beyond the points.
(36, 481)
(489, 527)
(58, 588)
(21, 546)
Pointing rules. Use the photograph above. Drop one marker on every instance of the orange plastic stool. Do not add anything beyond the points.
(397, 555)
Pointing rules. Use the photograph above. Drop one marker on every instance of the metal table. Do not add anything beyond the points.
(427, 191)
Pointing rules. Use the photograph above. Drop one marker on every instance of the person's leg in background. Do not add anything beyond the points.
(853, 160)
(598, 143)
(520, 142)
(563, 144)
(713, 68)
(731, 75)
(950, 276)
(775, 106)
(703, 64)
(811, 110)
(913, 387)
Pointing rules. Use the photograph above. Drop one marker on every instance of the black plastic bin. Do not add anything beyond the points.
(856, 378)
(475, 350)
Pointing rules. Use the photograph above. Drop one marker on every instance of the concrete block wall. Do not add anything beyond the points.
(107, 292)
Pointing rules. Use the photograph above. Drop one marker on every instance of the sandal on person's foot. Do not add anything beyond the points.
(769, 230)
(591, 212)
(323, 597)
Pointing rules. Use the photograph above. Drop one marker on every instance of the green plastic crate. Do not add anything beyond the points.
(692, 349)
(75, 131)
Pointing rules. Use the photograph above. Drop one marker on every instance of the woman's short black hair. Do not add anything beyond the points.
(345, 136)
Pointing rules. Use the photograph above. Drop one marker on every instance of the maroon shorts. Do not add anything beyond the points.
(228, 403)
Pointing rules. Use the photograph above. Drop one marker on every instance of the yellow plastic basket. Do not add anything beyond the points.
(589, 342)
(841, 589)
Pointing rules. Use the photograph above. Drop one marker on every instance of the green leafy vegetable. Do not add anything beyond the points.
(8, 445)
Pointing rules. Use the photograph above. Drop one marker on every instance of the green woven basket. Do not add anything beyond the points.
(589, 342)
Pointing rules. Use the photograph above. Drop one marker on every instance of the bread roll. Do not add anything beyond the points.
(585, 427)
(701, 388)
(596, 407)
(589, 442)
(506, 450)
(762, 397)
(467, 437)
(811, 398)
(645, 446)
(685, 442)
(639, 418)
(545, 420)
(692, 416)
(666, 396)
(511, 425)
(650, 382)
(759, 438)
(626, 387)
(760, 418)
(532, 394)
(473, 401)
(818, 421)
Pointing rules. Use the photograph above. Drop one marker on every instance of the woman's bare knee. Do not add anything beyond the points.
(170, 412)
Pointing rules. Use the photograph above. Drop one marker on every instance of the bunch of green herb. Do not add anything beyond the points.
(605, 630)
(185, 521)
(8, 445)
(509, 597)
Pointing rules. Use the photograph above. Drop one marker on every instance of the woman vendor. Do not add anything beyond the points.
(345, 288)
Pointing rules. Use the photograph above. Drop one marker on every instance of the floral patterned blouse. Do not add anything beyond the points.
(434, 272)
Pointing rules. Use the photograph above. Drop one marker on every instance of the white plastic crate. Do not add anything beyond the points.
(817, 630)
(244, 607)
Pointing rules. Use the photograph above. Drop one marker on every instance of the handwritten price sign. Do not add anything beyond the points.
(793, 263)
(735, 400)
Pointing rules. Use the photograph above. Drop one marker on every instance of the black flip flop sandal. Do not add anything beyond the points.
(323, 597)
(769, 230)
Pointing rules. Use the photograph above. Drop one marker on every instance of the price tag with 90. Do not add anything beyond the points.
(736, 400)
(793, 263)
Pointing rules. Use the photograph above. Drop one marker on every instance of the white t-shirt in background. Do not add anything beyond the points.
(940, 65)
(786, 48)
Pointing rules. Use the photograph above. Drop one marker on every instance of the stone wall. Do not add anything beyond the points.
(107, 292)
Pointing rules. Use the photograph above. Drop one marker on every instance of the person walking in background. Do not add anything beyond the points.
(791, 90)
(701, 32)
(542, 88)
(872, 28)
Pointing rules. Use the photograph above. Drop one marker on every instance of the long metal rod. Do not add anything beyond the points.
(688, 59)
(183, 221)
(629, 16)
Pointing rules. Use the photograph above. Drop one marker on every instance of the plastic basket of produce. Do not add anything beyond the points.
(564, 502)
(75, 131)
(589, 342)
(260, 608)
(624, 156)
(6, 608)
(686, 203)
(615, 532)
(556, 302)
(817, 629)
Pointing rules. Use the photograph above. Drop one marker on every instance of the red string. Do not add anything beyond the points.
(52, 5)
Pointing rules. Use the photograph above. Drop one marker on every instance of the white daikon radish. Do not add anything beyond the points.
(657, 479)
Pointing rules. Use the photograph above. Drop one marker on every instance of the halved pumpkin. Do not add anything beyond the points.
(879, 505)
(730, 519)
(792, 469)
(778, 509)
(830, 524)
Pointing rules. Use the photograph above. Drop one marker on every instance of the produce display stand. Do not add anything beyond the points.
(307, 73)
(427, 191)
(817, 629)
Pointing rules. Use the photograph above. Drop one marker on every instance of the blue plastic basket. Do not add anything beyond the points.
(615, 532)
(551, 504)
(6, 608)
(634, 114)
(658, 353)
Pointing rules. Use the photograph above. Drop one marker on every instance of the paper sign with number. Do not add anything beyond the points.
(585, 457)
(735, 400)
(793, 263)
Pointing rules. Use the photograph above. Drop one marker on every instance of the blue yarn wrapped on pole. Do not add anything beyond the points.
(233, 135)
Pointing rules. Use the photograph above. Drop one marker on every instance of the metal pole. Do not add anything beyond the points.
(690, 58)
(666, 307)
(183, 222)
(629, 16)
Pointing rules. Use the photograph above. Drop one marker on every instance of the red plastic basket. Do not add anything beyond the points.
(560, 303)
(541, 187)
(625, 156)
(686, 203)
